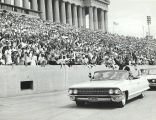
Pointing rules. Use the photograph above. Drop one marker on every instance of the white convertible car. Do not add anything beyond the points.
(108, 86)
(150, 75)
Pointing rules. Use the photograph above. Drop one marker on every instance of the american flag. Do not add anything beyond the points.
(115, 23)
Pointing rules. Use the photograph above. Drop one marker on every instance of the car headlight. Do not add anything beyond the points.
(75, 91)
(153, 81)
(111, 91)
(70, 91)
(117, 91)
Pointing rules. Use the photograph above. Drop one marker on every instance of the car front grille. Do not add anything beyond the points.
(93, 91)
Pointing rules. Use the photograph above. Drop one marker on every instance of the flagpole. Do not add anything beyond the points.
(114, 24)
(143, 30)
(113, 27)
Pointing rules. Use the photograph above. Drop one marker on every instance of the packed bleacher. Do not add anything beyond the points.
(28, 40)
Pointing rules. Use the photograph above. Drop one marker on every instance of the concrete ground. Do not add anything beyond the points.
(57, 106)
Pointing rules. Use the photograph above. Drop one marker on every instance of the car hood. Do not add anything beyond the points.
(101, 84)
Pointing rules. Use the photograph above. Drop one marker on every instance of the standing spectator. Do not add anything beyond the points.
(8, 59)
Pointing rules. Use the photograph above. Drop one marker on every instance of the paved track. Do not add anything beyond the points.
(57, 106)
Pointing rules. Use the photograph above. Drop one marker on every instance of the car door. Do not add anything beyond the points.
(134, 87)
(144, 84)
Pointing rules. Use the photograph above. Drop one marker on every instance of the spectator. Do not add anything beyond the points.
(32, 41)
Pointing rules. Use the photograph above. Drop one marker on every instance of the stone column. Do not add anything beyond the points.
(102, 24)
(80, 20)
(75, 19)
(91, 26)
(42, 9)
(49, 10)
(106, 21)
(17, 3)
(7, 1)
(56, 11)
(84, 16)
(95, 18)
(34, 5)
(63, 12)
(26, 4)
(69, 14)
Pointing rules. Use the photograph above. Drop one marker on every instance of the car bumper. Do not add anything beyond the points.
(108, 98)
(152, 84)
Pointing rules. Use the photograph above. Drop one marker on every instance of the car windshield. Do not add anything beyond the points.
(110, 75)
(144, 71)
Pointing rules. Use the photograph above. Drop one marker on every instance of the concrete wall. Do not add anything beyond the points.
(45, 79)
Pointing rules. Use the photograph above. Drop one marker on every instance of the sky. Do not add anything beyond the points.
(131, 16)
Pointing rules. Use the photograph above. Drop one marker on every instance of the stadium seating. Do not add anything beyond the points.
(31, 41)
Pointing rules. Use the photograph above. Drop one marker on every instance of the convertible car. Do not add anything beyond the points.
(109, 86)
(150, 75)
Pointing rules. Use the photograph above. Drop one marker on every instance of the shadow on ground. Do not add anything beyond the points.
(133, 100)
(106, 105)
(152, 89)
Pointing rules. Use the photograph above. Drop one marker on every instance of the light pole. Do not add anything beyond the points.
(148, 24)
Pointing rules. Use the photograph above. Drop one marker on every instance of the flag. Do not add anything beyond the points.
(115, 23)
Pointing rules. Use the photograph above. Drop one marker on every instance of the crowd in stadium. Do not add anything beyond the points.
(28, 40)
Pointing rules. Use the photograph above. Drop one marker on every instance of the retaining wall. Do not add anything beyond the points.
(45, 79)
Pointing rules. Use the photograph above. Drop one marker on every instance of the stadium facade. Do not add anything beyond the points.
(71, 12)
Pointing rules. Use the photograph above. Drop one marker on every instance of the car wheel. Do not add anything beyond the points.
(123, 102)
(141, 95)
(80, 103)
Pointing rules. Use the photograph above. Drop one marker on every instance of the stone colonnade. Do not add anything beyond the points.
(67, 13)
